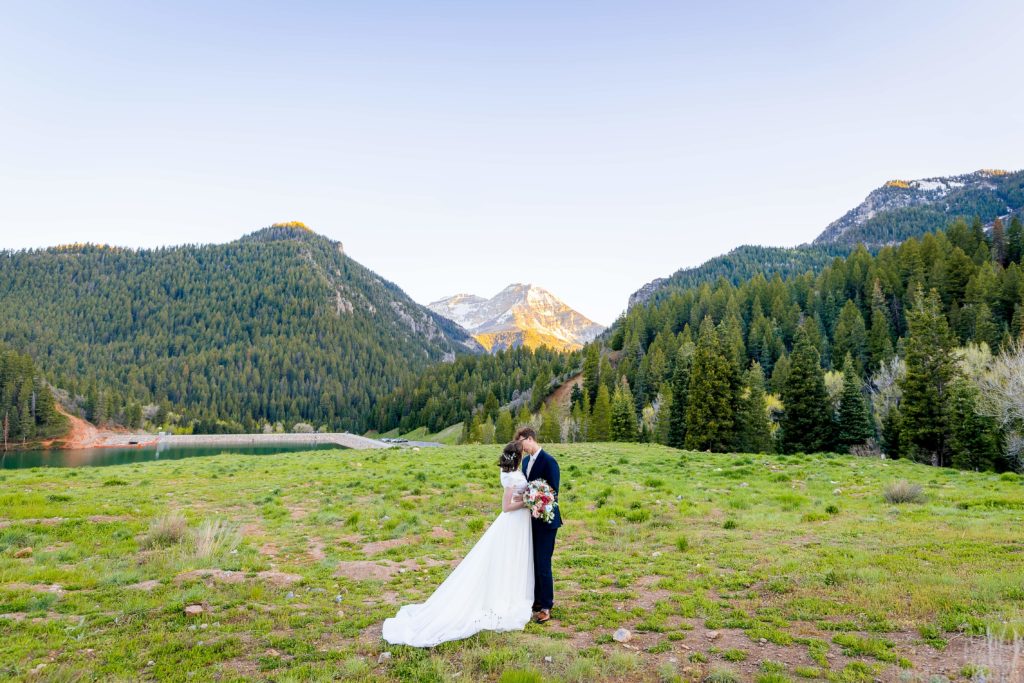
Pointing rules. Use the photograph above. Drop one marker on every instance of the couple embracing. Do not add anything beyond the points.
(506, 577)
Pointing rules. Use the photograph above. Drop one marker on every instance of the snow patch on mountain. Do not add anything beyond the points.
(520, 314)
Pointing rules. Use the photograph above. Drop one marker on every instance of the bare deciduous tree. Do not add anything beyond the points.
(1001, 391)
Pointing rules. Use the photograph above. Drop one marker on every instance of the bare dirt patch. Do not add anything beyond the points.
(441, 532)
(108, 518)
(144, 585)
(55, 588)
(382, 570)
(377, 547)
(49, 521)
(210, 576)
(316, 549)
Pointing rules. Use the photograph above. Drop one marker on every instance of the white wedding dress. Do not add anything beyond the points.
(491, 589)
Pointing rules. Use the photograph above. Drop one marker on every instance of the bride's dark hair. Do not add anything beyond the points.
(511, 456)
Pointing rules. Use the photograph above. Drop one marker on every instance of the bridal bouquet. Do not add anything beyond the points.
(539, 499)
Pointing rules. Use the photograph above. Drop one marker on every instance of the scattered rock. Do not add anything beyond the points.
(656, 553)
(837, 491)
(151, 663)
(382, 570)
(384, 657)
(24, 552)
(711, 635)
(622, 636)
(290, 595)
(549, 659)
(193, 610)
(227, 576)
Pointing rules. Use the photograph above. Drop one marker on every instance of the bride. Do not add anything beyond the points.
(492, 588)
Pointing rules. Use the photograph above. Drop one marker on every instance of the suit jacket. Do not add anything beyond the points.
(545, 468)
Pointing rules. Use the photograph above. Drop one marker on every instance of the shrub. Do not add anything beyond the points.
(720, 675)
(213, 537)
(164, 531)
(903, 491)
(729, 524)
(734, 655)
(682, 544)
(520, 676)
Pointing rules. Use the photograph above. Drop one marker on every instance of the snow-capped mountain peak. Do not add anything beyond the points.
(519, 315)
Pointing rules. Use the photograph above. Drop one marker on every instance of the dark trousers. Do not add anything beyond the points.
(543, 583)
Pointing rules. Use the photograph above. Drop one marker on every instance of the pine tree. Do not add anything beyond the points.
(880, 334)
(591, 370)
(576, 397)
(524, 418)
(539, 392)
(486, 430)
(624, 422)
(551, 425)
(855, 425)
(1015, 240)
(710, 412)
(1000, 248)
(780, 373)
(491, 405)
(806, 423)
(503, 428)
(680, 392)
(754, 434)
(850, 337)
(974, 438)
(931, 370)
(601, 419)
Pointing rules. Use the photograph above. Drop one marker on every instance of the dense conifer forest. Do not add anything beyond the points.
(279, 326)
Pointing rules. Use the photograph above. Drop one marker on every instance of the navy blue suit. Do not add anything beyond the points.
(545, 468)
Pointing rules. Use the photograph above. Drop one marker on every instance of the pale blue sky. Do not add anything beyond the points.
(587, 147)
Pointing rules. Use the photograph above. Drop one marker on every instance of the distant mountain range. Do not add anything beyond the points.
(519, 315)
(901, 209)
(278, 325)
(896, 211)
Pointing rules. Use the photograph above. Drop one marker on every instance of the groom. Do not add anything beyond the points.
(537, 464)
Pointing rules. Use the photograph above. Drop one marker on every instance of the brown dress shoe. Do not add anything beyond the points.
(543, 616)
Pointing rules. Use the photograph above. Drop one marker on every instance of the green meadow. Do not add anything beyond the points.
(722, 568)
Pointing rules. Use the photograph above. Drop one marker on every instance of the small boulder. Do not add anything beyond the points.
(622, 636)
(549, 659)
(24, 552)
(193, 610)
(384, 657)
(711, 635)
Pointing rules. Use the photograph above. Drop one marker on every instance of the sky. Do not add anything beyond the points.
(585, 147)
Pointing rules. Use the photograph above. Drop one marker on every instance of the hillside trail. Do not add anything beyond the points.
(562, 396)
(80, 434)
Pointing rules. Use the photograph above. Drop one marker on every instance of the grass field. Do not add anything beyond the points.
(723, 567)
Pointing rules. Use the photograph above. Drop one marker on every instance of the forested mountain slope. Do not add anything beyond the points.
(280, 325)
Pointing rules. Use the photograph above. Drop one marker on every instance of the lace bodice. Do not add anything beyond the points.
(516, 480)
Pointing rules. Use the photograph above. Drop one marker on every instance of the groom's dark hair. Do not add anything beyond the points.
(526, 433)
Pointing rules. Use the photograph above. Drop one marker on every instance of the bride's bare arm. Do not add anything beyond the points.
(511, 500)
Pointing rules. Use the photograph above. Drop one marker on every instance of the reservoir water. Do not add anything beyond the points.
(94, 457)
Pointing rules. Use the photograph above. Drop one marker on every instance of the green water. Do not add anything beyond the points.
(98, 457)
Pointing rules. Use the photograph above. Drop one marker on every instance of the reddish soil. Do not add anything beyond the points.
(563, 394)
